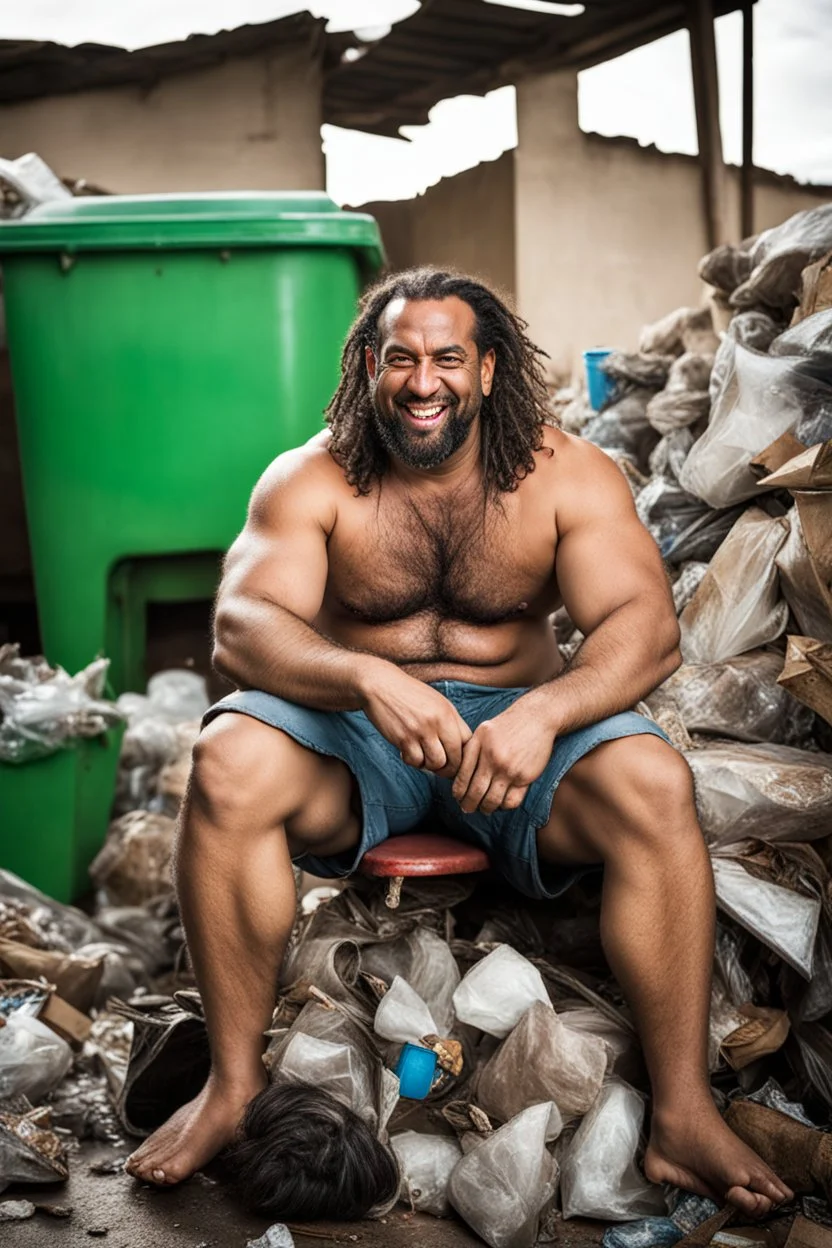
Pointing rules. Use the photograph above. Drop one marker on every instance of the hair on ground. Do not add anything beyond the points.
(302, 1155)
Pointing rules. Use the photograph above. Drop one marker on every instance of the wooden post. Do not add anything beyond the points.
(706, 100)
(747, 172)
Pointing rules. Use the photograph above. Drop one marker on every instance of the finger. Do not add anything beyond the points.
(434, 754)
(413, 754)
(513, 796)
(494, 795)
(453, 742)
(470, 757)
(477, 788)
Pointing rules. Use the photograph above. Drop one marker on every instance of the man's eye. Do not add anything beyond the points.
(450, 359)
(397, 360)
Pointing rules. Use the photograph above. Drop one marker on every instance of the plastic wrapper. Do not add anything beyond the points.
(543, 1059)
(667, 510)
(43, 709)
(738, 698)
(737, 607)
(684, 329)
(496, 992)
(133, 865)
(776, 258)
(762, 792)
(623, 425)
(426, 1163)
(640, 368)
(686, 584)
(402, 1015)
(781, 919)
(645, 1233)
(599, 1174)
(501, 1187)
(761, 397)
(30, 1151)
(32, 1058)
(670, 453)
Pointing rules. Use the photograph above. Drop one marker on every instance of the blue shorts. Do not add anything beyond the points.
(395, 798)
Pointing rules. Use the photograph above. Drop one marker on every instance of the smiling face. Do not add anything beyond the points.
(428, 379)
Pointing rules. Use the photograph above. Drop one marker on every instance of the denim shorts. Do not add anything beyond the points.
(397, 798)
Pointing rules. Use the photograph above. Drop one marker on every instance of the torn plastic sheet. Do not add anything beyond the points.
(501, 1187)
(737, 606)
(738, 697)
(784, 921)
(763, 792)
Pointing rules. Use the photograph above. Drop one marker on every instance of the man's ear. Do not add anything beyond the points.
(371, 362)
(487, 364)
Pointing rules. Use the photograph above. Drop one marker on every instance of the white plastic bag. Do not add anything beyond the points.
(599, 1175)
(426, 1163)
(33, 1059)
(496, 992)
(762, 792)
(501, 1186)
(543, 1059)
(785, 921)
(402, 1015)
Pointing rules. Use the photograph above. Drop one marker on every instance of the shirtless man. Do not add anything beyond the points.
(385, 616)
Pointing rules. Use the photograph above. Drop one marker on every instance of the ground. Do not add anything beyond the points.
(201, 1214)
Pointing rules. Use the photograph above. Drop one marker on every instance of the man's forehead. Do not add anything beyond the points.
(443, 320)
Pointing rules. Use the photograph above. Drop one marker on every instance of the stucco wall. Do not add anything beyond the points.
(609, 234)
(465, 222)
(250, 123)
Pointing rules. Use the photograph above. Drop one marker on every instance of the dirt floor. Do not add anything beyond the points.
(201, 1214)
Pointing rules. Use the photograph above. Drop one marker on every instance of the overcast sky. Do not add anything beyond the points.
(646, 94)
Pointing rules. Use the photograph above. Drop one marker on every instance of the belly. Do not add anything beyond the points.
(517, 652)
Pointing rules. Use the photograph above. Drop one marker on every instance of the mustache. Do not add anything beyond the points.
(407, 396)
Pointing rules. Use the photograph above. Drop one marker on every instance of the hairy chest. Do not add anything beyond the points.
(454, 560)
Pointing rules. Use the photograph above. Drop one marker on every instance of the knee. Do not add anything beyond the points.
(648, 787)
(235, 761)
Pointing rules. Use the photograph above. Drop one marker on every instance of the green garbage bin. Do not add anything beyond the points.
(164, 349)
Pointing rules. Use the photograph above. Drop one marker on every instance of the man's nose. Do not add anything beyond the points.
(424, 380)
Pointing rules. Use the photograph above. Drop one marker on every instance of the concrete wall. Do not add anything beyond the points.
(609, 234)
(250, 123)
(465, 222)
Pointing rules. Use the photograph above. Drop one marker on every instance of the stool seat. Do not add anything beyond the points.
(422, 853)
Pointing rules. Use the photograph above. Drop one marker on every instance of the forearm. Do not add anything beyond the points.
(618, 664)
(259, 645)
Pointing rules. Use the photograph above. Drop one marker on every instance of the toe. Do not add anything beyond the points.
(753, 1204)
(158, 1176)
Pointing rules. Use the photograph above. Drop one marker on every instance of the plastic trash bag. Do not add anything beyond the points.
(777, 257)
(402, 1015)
(737, 607)
(176, 695)
(501, 1187)
(134, 864)
(599, 1175)
(685, 398)
(543, 1059)
(762, 397)
(30, 1151)
(752, 329)
(783, 920)
(686, 584)
(761, 792)
(670, 453)
(33, 1059)
(622, 424)
(426, 1163)
(702, 539)
(802, 582)
(44, 709)
(737, 697)
(425, 961)
(55, 925)
(666, 510)
(640, 368)
(684, 329)
(496, 992)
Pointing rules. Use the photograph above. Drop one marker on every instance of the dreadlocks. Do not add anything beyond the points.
(511, 417)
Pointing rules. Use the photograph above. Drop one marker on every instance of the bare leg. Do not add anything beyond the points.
(252, 791)
(629, 804)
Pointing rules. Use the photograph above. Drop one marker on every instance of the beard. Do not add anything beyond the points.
(422, 450)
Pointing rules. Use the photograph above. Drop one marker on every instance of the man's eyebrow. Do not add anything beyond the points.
(455, 346)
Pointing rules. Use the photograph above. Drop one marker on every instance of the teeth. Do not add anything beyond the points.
(425, 413)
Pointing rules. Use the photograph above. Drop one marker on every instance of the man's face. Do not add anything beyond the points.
(428, 379)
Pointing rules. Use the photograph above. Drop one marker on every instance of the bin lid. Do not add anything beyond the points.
(178, 222)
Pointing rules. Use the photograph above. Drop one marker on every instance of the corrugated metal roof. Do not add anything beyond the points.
(448, 47)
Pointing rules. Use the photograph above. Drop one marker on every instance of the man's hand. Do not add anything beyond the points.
(502, 758)
(420, 722)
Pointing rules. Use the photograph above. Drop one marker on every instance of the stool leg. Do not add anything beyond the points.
(394, 892)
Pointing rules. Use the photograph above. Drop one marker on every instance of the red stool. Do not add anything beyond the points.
(420, 853)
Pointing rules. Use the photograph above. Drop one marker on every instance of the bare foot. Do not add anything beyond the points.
(191, 1136)
(699, 1153)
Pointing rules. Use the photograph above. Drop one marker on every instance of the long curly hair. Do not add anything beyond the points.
(512, 416)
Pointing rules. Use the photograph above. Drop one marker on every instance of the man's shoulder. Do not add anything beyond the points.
(305, 479)
(571, 460)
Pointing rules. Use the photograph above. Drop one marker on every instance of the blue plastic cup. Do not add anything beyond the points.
(416, 1069)
(599, 386)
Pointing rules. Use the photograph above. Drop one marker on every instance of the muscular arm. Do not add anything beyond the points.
(272, 589)
(613, 585)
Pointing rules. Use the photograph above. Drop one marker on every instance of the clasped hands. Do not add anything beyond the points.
(492, 767)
